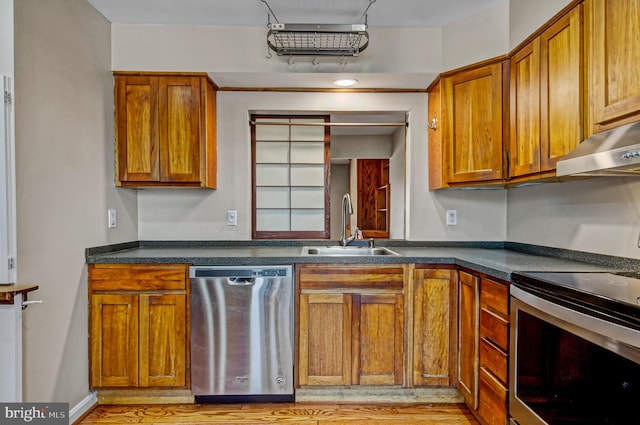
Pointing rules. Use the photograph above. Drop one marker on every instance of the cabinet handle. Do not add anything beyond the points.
(434, 124)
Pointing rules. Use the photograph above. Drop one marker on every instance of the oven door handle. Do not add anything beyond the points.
(620, 339)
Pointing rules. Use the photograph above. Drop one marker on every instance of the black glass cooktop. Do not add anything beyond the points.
(615, 296)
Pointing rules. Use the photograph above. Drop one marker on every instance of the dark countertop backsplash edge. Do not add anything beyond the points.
(543, 251)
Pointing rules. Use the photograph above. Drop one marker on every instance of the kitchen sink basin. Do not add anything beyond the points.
(346, 251)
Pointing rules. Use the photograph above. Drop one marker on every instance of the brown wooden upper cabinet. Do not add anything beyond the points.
(613, 55)
(165, 129)
(546, 116)
(472, 102)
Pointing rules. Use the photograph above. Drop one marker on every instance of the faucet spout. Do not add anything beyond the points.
(347, 210)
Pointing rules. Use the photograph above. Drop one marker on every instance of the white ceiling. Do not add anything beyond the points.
(387, 13)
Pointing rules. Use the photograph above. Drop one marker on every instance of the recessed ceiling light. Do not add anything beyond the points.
(345, 82)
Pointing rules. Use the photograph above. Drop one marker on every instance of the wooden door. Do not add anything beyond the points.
(614, 54)
(468, 312)
(114, 340)
(472, 131)
(136, 117)
(434, 325)
(561, 96)
(325, 339)
(525, 110)
(378, 338)
(179, 121)
(374, 193)
(163, 340)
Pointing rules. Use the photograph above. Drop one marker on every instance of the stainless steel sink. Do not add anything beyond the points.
(346, 251)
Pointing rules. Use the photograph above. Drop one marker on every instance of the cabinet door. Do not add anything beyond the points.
(525, 110)
(325, 339)
(473, 124)
(437, 177)
(114, 340)
(561, 82)
(378, 339)
(179, 120)
(163, 340)
(137, 146)
(433, 325)
(614, 55)
(468, 311)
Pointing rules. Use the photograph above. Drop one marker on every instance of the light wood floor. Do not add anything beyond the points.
(298, 413)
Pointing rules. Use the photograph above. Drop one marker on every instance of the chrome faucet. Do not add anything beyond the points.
(347, 210)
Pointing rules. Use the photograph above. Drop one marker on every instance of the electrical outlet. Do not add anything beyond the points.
(452, 217)
(112, 218)
(232, 218)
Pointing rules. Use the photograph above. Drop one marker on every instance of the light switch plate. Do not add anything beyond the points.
(232, 218)
(112, 218)
(452, 217)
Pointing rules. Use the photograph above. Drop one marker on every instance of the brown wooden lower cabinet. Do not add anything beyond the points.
(350, 325)
(483, 332)
(492, 399)
(434, 327)
(138, 326)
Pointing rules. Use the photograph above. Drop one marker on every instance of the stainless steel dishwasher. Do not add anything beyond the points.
(242, 333)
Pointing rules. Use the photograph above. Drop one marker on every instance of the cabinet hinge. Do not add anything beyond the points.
(8, 99)
(12, 263)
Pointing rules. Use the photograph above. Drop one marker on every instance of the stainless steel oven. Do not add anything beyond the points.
(575, 349)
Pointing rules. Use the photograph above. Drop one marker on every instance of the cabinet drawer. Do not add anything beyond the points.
(494, 328)
(137, 277)
(493, 359)
(494, 296)
(492, 400)
(351, 278)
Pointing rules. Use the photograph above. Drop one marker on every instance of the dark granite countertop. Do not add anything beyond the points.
(498, 259)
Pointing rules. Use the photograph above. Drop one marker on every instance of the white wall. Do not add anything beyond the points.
(600, 215)
(6, 37)
(339, 186)
(243, 49)
(365, 147)
(7, 146)
(526, 16)
(184, 214)
(397, 173)
(477, 38)
(64, 161)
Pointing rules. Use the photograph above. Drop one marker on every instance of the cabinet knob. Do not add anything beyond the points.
(434, 124)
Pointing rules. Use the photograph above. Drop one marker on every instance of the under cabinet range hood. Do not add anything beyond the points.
(614, 152)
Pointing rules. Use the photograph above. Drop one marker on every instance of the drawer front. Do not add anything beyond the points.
(494, 296)
(138, 277)
(355, 277)
(493, 359)
(492, 400)
(494, 328)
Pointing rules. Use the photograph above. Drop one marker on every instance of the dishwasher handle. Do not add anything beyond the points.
(239, 272)
(240, 281)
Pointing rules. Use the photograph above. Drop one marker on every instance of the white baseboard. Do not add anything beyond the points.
(83, 407)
